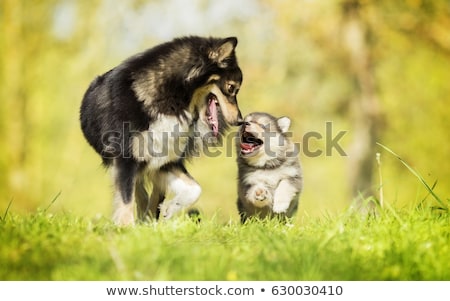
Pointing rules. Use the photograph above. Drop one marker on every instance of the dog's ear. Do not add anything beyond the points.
(284, 123)
(193, 73)
(223, 51)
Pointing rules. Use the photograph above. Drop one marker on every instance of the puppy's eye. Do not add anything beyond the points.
(230, 88)
(265, 126)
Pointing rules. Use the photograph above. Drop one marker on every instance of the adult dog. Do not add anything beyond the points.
(154, 110)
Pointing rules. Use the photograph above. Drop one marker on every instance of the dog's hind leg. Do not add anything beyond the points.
(124, 172)
(159, 181)
(148, 206)
(142, 198)
(184, 189)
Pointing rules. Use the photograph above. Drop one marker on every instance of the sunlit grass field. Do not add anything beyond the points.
(410, 244)
(391, 243)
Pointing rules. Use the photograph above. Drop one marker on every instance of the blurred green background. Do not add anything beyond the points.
(378, 70)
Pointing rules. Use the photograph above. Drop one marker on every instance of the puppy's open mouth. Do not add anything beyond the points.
(249, 143)
(211, 114)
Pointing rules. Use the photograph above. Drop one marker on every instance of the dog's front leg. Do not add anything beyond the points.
(184, 191)
(284, 197)
(124, 173)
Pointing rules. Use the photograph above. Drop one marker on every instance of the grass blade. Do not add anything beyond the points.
(417, 175)
(6, 211)
(53, 201)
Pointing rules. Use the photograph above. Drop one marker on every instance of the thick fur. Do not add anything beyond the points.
(154, 110)
(270, 177)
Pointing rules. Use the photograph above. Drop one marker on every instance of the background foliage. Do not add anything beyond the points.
(299, 58)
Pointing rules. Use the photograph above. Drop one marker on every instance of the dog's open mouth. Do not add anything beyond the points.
(211, 113)
(249, 143)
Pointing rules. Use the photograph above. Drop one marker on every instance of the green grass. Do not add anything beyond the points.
(392, 244)
(395, 245)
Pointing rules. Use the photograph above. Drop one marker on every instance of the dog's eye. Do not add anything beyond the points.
(230, 88)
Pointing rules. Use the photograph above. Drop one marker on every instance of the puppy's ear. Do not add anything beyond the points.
(223, 51)
(284, 123)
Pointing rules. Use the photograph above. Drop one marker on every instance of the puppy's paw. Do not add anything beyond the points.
(280, 207)
(259, 196)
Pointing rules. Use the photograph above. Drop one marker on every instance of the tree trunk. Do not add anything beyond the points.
(14, 106)
(365, 111)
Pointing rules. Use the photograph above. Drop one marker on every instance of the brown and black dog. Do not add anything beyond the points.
(154, 110)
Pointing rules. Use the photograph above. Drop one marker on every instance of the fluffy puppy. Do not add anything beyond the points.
(270, 177)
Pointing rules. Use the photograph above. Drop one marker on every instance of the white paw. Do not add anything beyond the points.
(123, 217)
(280, 207)
(169, 209)
(259, 196)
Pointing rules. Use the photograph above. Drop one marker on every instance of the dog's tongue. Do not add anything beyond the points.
(246, 146)
(212, 118)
